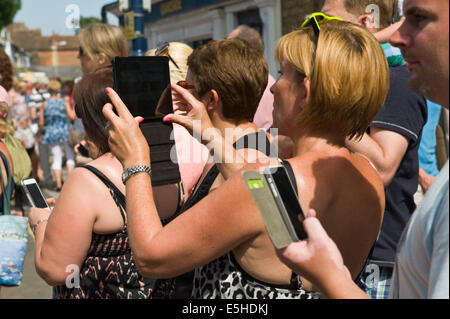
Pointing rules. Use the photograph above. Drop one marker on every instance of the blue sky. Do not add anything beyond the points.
(51, 15)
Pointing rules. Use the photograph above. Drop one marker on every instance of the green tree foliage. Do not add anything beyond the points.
(8, 10)
(84, 21)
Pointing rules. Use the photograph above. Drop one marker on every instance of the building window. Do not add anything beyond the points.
(198, 43)
(252, 19)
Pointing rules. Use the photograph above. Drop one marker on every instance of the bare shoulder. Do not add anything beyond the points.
(333, 180)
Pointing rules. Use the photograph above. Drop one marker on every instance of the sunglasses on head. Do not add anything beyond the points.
(163, 49)
(315, 20)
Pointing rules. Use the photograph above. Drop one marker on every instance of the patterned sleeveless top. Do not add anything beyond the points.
(109, 271)
(224, 278)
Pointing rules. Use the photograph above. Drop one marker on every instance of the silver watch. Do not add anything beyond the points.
(133, 170)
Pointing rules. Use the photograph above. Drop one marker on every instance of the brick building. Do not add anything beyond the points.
(55, 55)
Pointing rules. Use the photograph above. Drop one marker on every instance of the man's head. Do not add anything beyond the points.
(423, 39)
(372, 14)
(249, 35)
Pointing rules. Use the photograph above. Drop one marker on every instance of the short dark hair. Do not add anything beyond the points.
(238, 73)
(252, 37)
(6, 70)
(387, 9)
(90, 97)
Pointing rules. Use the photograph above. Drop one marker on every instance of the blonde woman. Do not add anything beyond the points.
(99, 44)
(321, 98)
(54, 121)
(191, 154)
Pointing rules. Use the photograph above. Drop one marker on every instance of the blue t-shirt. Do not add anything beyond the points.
(404, 112)
(422, 265)
(427, 149)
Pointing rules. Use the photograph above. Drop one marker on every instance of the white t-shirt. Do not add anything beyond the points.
(422, 269)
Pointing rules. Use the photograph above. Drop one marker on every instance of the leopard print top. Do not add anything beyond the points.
(223, 278)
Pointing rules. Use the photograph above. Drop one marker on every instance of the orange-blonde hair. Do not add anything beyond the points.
(348, 73)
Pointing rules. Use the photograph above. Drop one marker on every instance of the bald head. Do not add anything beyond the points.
(249, 35)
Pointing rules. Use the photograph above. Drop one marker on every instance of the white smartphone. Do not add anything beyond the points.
(34, 193)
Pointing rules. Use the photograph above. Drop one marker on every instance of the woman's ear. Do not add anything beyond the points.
(103, 60)
(307, 94)
(367, 21)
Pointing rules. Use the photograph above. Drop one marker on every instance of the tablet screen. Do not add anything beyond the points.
(143, 83)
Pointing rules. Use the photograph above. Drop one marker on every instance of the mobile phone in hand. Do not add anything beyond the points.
(34, 193)
(286, 198)
(83, 150)
(274, 195)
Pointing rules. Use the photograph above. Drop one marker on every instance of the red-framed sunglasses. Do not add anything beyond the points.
(185, 85)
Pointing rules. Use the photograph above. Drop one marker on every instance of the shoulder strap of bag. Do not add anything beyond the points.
(117, 195)
(6, 194)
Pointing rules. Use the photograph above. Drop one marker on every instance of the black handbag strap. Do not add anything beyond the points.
(117, 195)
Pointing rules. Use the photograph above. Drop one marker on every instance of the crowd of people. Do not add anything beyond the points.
(356, 108)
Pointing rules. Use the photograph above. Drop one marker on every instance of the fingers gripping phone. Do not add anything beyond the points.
(34, 193)
(277, 202)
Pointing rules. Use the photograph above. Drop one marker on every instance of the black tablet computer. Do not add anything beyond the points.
(143, 84)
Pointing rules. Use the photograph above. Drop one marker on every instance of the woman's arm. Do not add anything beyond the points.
(65, 239)
(41, 116)
(70, 109)
(385, 34)
(220, 222)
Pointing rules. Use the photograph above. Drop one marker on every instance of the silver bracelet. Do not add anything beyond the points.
(134, 170)
(33, 228)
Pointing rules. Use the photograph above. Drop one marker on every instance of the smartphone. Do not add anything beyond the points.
(284, 193)
(83, 150)
(143, 84)
(277, 203)
(34, 193)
